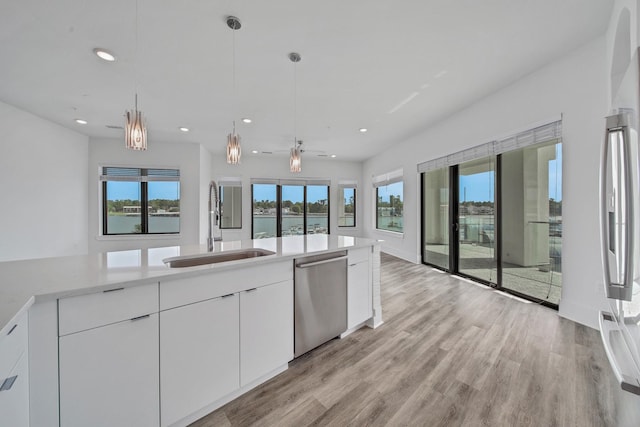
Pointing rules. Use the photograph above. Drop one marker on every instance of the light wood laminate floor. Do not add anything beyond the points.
(449, 354)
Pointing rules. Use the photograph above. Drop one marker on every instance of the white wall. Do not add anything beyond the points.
(184, 156)
(265, 166)
(43, 187)
(572, 86)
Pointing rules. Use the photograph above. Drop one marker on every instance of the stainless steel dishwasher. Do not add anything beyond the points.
(320, 289)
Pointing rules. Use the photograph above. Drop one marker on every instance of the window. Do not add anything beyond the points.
(317, 209)
(264, 208)
(389, 207)
(140, 201)
(289, 208)
(347, 207)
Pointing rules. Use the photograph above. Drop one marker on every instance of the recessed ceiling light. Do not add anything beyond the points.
(246, 120)
(333, 156)
(104, 54)
(254, 151)
(81, 122)
(184, 129)
(363, 130)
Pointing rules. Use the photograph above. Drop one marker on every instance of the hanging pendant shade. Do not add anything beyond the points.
(295, 160)
(233, 147)
(135, 129)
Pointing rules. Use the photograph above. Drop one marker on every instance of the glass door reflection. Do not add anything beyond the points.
(436, 218)
(532, 221)
(476, 220)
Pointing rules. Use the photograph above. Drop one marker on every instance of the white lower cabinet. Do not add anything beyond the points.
(14, 374)
(359, 293)
(266, 330)
(199, 356)
(14, 395)
(109, 375)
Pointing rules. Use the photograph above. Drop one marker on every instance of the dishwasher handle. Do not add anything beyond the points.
(324, 261)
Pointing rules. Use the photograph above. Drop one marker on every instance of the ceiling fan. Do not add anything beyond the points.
(298, 145)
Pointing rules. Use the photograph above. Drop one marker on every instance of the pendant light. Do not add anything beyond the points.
(135, 129)
(295, 160)
(233, 139)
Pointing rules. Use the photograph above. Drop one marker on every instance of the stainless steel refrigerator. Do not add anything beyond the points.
(620, 238)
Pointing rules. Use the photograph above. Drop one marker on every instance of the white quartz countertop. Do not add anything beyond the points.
(23, 283)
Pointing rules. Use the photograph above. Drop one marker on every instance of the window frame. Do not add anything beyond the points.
(143, 178)
(279, 184)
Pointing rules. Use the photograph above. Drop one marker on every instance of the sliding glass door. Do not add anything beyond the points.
(498, 219)
(436, 221)
(476, 220)
(532, 221)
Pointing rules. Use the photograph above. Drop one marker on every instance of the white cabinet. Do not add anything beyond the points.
(109, 374)
(359, 293)
(199, 356)
(14, 395)
(14, 374)
(266, 330)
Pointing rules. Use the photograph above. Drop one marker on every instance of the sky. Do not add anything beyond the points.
(394, 189)
(479, 187)
(120, 190)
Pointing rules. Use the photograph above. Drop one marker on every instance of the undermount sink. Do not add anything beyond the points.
(214, 258)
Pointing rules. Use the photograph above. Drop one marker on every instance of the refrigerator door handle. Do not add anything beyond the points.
(618, 354)
(616, 204)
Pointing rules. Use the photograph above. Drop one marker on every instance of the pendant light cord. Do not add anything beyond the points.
(135, 63)
(234, 78)
(295, 104)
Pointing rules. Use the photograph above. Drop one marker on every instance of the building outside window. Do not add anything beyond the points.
(140, 201)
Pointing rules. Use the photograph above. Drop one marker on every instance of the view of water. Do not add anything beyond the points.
(265, 226)
(391, 223)
(124, 224)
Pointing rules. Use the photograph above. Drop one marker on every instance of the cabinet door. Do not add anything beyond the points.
(358, 294)
(14, 395)
(199, 356)
(109, 375)
(266, 330)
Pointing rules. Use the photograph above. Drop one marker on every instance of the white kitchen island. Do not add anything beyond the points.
(119, 338)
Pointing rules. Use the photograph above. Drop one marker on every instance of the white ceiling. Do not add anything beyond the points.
(394, 67)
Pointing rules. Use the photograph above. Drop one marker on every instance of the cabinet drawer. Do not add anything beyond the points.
(12, 345)
(359, 255)
(175, 293)
(102, 308)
